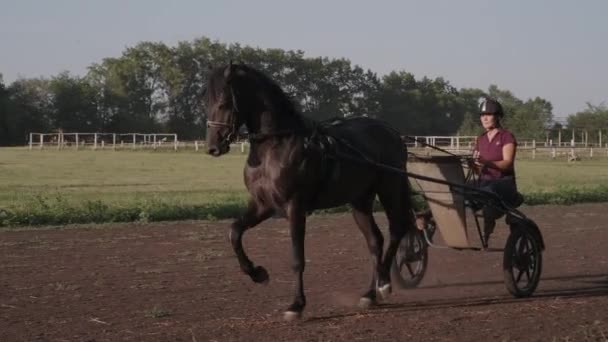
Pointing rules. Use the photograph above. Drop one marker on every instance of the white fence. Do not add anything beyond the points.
(571, 150)
(102, 140)
(455, 144)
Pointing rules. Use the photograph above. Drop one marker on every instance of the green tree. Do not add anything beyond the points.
(592, 118)
(421, 107)
(29, 110)
(74, 104)
(532, 119)
(182, 76)
(5, 120)
(528, 119)
(154, 87)
(398, 97)
(130, 92)
(470, 124)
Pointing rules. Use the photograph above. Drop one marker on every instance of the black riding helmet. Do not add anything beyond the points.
(491, 106)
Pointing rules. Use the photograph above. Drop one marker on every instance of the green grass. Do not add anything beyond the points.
(118, 177)
(560, 182)
(549, 175)
(56, 187)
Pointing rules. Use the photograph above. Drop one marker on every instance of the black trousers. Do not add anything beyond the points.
(506, 189)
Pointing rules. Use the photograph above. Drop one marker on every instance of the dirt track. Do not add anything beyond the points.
(180, 282)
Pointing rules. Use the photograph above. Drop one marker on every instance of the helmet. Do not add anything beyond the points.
(492, 106)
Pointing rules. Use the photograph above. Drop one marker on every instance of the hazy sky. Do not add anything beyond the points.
(553, 49)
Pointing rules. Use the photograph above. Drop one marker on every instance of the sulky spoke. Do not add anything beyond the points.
(528, 275)
(519, 276)
(409, 269)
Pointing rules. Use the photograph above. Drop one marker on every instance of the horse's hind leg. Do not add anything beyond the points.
(297, 226)
(252, 217)
(397, 204)
(363, 214)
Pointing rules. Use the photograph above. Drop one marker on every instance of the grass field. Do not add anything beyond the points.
(32, 181)
(118, 177)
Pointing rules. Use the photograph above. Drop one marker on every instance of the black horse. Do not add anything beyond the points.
(296, 165)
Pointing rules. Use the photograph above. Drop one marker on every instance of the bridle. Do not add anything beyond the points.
(225, 141)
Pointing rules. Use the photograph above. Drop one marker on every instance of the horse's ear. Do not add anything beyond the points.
(228, 71)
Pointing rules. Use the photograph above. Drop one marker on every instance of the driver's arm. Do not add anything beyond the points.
(508, 156)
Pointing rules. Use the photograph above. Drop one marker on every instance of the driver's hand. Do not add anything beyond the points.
(480, 162)
(474, 162)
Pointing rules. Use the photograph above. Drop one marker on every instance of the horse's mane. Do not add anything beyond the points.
(273, 93)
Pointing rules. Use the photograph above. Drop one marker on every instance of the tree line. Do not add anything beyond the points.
(153, 87)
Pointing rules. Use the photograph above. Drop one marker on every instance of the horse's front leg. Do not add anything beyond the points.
(297, 224)
(252, 217)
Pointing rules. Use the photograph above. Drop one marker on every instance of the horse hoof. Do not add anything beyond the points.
(291, 316)
(260, 275)
(365, 302)
(384, 291)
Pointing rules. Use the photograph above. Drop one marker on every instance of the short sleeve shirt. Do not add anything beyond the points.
(492, 151)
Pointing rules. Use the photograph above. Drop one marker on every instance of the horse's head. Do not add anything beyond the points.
(226, 112)
(238, 94)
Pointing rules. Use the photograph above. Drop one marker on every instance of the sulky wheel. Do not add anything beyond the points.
(522, 263)
(411, 260)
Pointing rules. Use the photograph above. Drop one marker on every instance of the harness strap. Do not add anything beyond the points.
(258, 137)
(218, 124)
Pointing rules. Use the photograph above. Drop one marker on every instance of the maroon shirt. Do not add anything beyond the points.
(492, 151)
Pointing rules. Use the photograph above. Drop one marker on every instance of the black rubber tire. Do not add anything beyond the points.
(522, 263)
(417, 260)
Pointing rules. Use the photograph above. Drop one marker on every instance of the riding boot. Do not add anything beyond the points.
(488, 229)
(489, 223)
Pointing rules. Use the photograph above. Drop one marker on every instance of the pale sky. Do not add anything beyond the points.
(553, 49)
